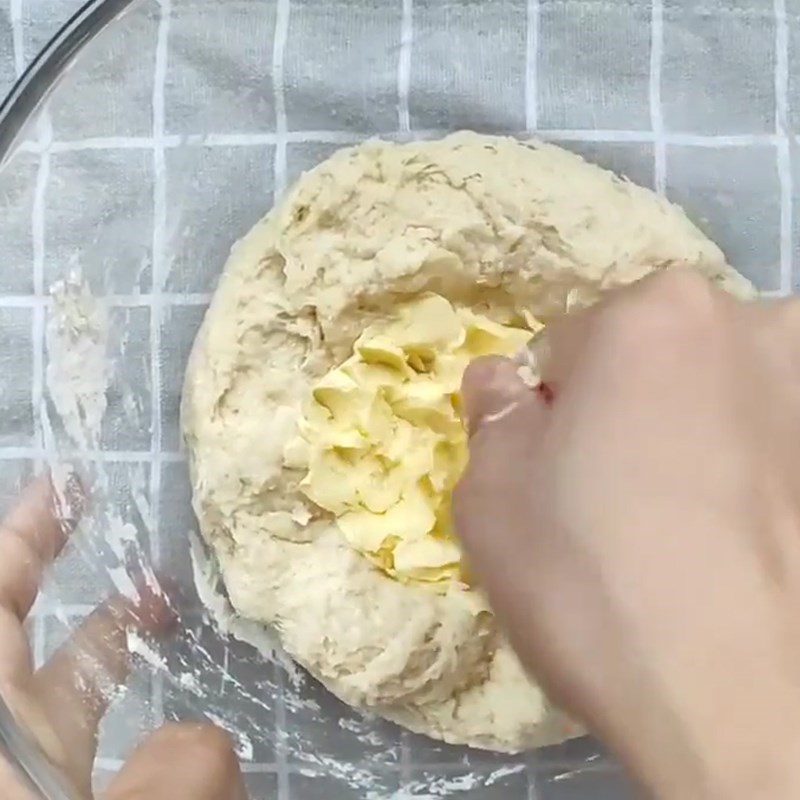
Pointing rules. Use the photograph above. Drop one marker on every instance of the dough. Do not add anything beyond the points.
(506, 229)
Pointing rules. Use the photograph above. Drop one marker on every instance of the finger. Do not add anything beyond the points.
(568, 337)
(181, 762)
(79, 682)
(486, 509)
(12, 785)
(506, 419)
(40, 765)
(16, 661)
(31, 536)
(491, 388)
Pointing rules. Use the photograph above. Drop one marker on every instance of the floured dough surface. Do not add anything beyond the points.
(505, 230)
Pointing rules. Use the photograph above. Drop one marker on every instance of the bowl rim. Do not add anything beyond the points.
(41, 74)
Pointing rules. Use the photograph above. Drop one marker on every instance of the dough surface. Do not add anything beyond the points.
(505, 229)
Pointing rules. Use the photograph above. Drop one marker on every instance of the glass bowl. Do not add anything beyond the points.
(149, 136)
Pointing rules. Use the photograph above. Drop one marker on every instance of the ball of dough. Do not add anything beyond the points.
(495, 225)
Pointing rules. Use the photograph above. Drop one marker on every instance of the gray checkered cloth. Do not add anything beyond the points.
(179, 125)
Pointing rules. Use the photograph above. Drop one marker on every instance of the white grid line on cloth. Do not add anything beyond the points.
(22, 453)
(172, 299)
(448, 767)
(649, 137)
(283, 12)
(281, 34)
(533, 790)
(406, 763)
(38, 320)
(656, 110)
(247, 767)
(38, 246)
(39, 642)
(404, 66)
(38, 210)
(281, 739)
(258, 767)
(15, 12)
(113, 300)
(38, 456)
(610, 136)
(404, 128)
(116, 764)
(532, 66)
(783, 152)
(67, 611)
(157, 280)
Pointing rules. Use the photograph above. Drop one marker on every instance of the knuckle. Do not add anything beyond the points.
(481, 369)
(672, 307)
(682, 290)
(21, 544)
(482, 376)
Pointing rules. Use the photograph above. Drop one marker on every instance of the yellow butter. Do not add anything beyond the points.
(385, 441)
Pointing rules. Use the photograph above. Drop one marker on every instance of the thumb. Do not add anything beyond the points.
(186, 761)
(506, 418)
(491, 388)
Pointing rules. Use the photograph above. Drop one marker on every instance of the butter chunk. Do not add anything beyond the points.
(385, 439)
(410, 519)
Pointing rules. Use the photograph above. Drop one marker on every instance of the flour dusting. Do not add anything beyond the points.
(435, 788)
(139, 646)
(208, 583)
(78, 369)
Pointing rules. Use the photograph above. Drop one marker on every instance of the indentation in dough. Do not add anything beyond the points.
(504, 228)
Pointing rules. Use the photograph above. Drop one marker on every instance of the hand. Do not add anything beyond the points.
(636, 524)
(61, 704)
